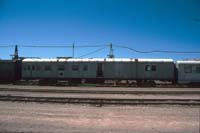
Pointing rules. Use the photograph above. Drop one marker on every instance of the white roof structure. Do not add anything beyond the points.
(94, 60)
(188, 62)
(120, 60)
(155, 60)
(80, 60)
(38, 60)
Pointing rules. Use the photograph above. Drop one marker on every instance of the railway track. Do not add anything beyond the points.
(100, 96)
(88, 91)
(98, 101)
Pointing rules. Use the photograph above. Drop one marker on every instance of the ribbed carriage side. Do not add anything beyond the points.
(188, 72)
(99, 68)
(58, 69)
(7, 71)
(40, 68)
(120, 69)
(156, 69)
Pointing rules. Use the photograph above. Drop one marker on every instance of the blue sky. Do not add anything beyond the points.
(140, 24)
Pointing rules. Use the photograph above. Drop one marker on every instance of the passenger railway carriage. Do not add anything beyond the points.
(188, 72)
(155, 69)
(7, 70)
(100, 68)
(10, 70)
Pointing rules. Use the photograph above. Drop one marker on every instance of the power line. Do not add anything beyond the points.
(90, 46)
(60, 46)
(137, 51)
(7, 46)
(158, 51)
(53, 46)
(94, 46)
(44, 46)
(176, 52)
(95, 51)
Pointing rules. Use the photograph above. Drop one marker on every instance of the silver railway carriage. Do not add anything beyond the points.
(155, 69)
(99, 68)
(78, 68)
(188, 71)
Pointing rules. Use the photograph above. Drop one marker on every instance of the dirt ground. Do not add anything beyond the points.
(54, 118)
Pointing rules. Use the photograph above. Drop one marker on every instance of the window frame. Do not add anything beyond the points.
(153, 68)
(38, 68)
(75, 67)
(25, 68)
(187, 69)
(47, 68)
(85, 68)
(28, 67)
(197, 69)
(61, 67)
(150, 68)
(33, 68)
(147, 68)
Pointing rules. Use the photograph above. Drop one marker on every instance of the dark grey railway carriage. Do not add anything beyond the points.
(7, 68)
(98, 69)
(10, 70)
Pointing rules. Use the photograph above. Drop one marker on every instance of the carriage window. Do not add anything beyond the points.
(75, 67)
(153, 67)
(85, 68)
(24, 68)
(147, 68)
(188, 69)
(29, 68)
(33, 68)
(198, 69)
(150, 68)
(61, 67)
(38, 68)
(47, 68)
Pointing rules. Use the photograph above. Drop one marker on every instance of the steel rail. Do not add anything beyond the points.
(98, 101)
(169, 92)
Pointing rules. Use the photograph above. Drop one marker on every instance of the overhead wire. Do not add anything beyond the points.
(94, 46)
(60, 46)
(6, 46)
(137, 51)
(89, 46)
(95, 51)
(158, 51)
(44, 46)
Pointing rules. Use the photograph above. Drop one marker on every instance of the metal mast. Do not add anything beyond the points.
(111, 53)
(73, 46)
(15, 56)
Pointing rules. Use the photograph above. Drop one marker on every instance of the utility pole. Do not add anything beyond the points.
(111, 53)
(15, 56)
(73, 46)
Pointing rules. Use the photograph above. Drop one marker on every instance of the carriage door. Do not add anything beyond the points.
(150, 72)
(99, 70)
(61, 69)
